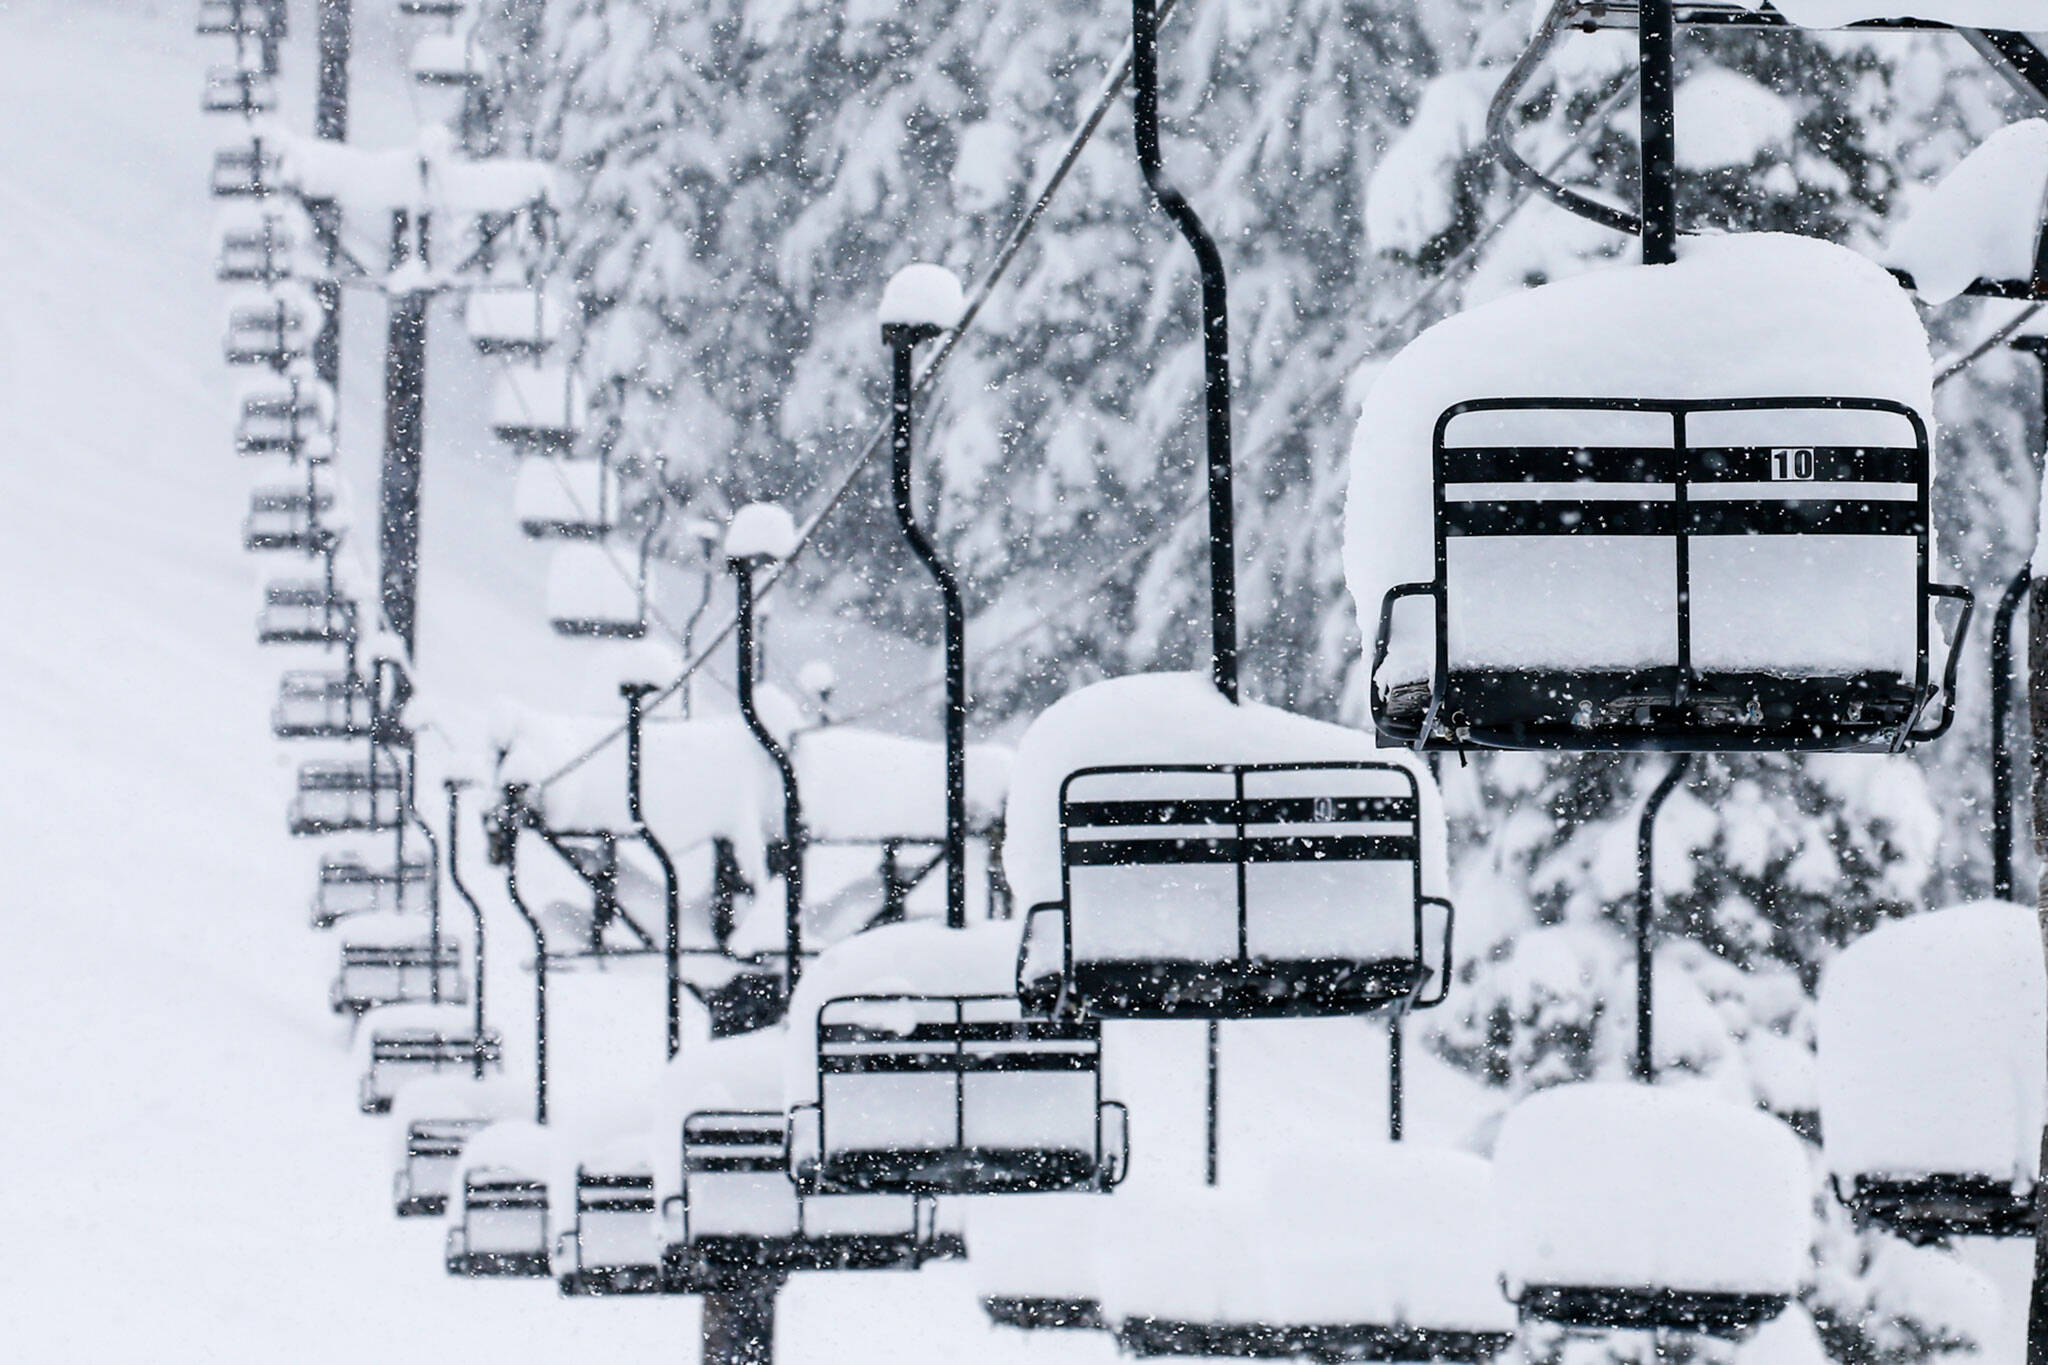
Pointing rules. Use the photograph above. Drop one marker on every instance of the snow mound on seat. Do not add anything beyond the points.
(1628, 1186)
(1931, 1046)
(1171, 718)
(594, 583)
(863, 784)
(1982, 221)
(896, 959)
(1397, 1234)
(742, 1073)
(1761, 315)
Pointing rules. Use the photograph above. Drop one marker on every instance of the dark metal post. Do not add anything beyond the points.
(476, 922)
(739, 1320)
(1395, 1079)
(1657, 39)
(1215, 344)
(902, 340)
(2037, 718)
(672, 940)
(2001, 723)
(514, 803)
(330, 103)
(405, 400)
(793, 839)
(1646, 906)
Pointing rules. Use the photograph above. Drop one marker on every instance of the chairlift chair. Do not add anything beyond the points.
(738, 1214)
(538, 408)
(287, 517)
(554, 496)
(503, 1230)
(245, 172)
(238, 18)
(433, 1149)
(1634, 1206)
(445, 10)
(262, 254)
(519, 321)
(1034, 1262)
(402, 1052)
(378, 974)
(271, 334)
(284, 420)
(1931, 1105)
(340, 795)
(1728, 502)
(1591, 15)
(238, 90)
(322, 705)
(301, 612)
(598, 592)
(614, 1245)
(1202, 891)
(349, 886)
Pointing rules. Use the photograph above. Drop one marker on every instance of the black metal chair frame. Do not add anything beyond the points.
(958, 1047)
(435, 1140)
(339, 876)
(1243, 987)
(1146, 1336)
(757, 1142)
(1671, 707)
(608, 1192)
(1931, 1209)
(276, 423)
(483, 1194)
(262, 256)
(370, 780)
(1041, 1314)
(422, 974)
(431, 1049)
(1604, 1307)
(244, 173)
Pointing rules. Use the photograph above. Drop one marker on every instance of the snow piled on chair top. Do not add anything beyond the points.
(1931, 1046)
(1396, 1234)
(740, 1074)
(1752, 316)
(1982, 221)
(1172, 718)
(915, 958)
(1633, 1186)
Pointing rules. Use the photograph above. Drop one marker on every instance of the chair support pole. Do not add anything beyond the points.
(672, 938)
(1656, 41)
(514, 801)
(793, 839)
(1646, 908)
(476, 922)
(1215, 344)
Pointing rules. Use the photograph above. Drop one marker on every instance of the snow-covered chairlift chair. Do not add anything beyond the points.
(613, 1244)
(290, 516)
(348, 885)
(1983, 230)
(1386, 1252)
(238, 90)
(1035, 1262)
(292, 417)
(263, 248)
(396, 960)
(598, 591)
(916, 1071)
(1658, 507)
(556, 496)
(304, 612)
(1932, 1101)
(735, 1213)
(433, 1148)
(403, 1043)
(312, 704)
(272, 332)
(501, 1220)
(538, 408)
(1188, 858)
(515, 320)
(337, 796)
(1629, 1206)
(245, 170)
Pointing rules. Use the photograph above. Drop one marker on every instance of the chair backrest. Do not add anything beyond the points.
(736, 1175)
(1781, 535)
(1222, 863)
(926, 1073)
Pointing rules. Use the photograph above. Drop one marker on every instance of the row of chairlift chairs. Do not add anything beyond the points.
(1223, 854)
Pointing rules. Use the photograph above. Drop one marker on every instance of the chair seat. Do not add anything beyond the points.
(955, 1170)
(1044, 1315)
(1260, 988)
(708, 1263)
(1934, 1208)
(1603, 1306)
(532, 1265)
(1640, 709)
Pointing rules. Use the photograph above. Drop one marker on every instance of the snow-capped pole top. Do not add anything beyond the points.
(761, 530)
(1922, 1076)
(1983, 220)
(922, 295)
(817, 677)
